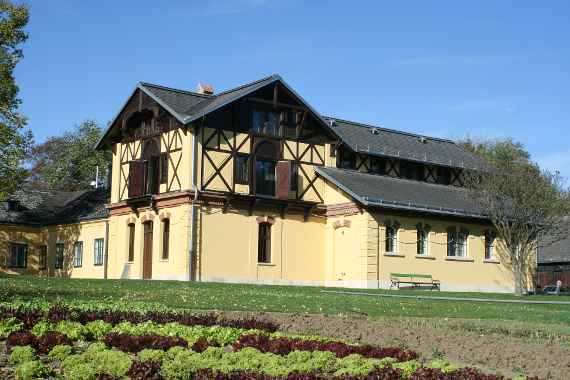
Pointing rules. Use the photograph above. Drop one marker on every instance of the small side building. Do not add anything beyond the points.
(554, 263)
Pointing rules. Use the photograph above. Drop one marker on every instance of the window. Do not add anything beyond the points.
(391, 238)
(164, 168)
(377, 166)
(290, 120)
(422, 239)
(347, 160)
(294, 177)
(411, 170)
(265, 159)
(462, 243)
(264, 243)
(457, 242)
(78, 254)
(489, 245)
(266, 123)
(98, 251)
(131, 228)
(242, 169)
(165, 238)
(18, 255)
(42, 259)
(59, 248)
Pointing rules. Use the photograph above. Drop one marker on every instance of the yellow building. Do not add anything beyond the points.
(253, 185)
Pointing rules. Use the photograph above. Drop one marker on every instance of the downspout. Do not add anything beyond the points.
(192, 221)
(106, 257)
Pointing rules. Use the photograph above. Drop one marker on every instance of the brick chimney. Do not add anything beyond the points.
(206, 89)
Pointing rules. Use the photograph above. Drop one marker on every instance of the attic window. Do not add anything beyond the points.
(374, 131)
(423, 140)
(13, 205)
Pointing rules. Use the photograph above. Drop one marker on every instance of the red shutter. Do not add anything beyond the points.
(136, 179)
(283, 178)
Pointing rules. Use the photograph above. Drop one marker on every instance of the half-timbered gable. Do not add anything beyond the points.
(265, 144)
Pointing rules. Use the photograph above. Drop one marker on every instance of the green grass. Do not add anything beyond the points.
(518, 319)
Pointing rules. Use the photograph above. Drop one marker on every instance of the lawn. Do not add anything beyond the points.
(493, 336)
(266, 298)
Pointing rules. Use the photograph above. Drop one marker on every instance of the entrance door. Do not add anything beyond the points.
(147, 251)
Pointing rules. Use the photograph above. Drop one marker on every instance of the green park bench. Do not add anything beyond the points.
(413, 279)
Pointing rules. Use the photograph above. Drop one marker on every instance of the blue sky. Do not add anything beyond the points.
(443, 68)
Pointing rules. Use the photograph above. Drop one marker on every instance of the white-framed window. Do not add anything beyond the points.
(457, 242)
(78, 254)
(490, 244)
(99, 247)
(391, 237)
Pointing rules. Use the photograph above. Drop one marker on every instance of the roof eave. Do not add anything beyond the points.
(372, 202)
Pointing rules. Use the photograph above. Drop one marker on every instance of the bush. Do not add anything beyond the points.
(22, 354)
(60, 352)
(32, 370)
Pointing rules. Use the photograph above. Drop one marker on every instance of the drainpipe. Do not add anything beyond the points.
(106, 257)
(193, 222)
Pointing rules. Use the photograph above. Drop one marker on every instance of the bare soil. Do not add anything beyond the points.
(495, 353)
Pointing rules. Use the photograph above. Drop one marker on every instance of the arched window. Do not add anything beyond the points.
(266, 156)
(264, 243)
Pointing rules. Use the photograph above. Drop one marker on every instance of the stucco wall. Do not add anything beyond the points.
(228, 248)
(173, 268)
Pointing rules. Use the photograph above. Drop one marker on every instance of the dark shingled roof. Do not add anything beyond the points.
(39, 207)
(558, 251)
(395, 193)
(373, 140)
(188, 106)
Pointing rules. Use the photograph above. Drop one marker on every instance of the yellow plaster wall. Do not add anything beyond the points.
(228, 248)
(33, 237)
(68, 234)
(174, 268)
(473, 273)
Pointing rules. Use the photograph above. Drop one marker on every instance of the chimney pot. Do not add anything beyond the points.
(204, 88)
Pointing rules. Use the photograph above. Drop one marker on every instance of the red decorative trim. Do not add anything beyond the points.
(343, 209)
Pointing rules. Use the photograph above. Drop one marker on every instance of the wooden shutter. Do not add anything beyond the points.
(136, 179)
(283, 177)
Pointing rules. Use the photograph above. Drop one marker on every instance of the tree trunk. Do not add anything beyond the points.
(518, 272)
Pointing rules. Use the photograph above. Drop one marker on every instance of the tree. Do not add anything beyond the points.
(14, 141)
(523, 202)
(69, 162)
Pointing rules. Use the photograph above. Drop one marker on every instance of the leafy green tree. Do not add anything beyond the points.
(14, 141)
(524, 203)
(69, 162)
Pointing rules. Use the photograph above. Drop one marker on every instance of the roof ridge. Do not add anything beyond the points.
(177, 90)
(276, 76)
(364, 125)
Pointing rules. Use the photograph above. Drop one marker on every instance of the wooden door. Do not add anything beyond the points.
(147, 251)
